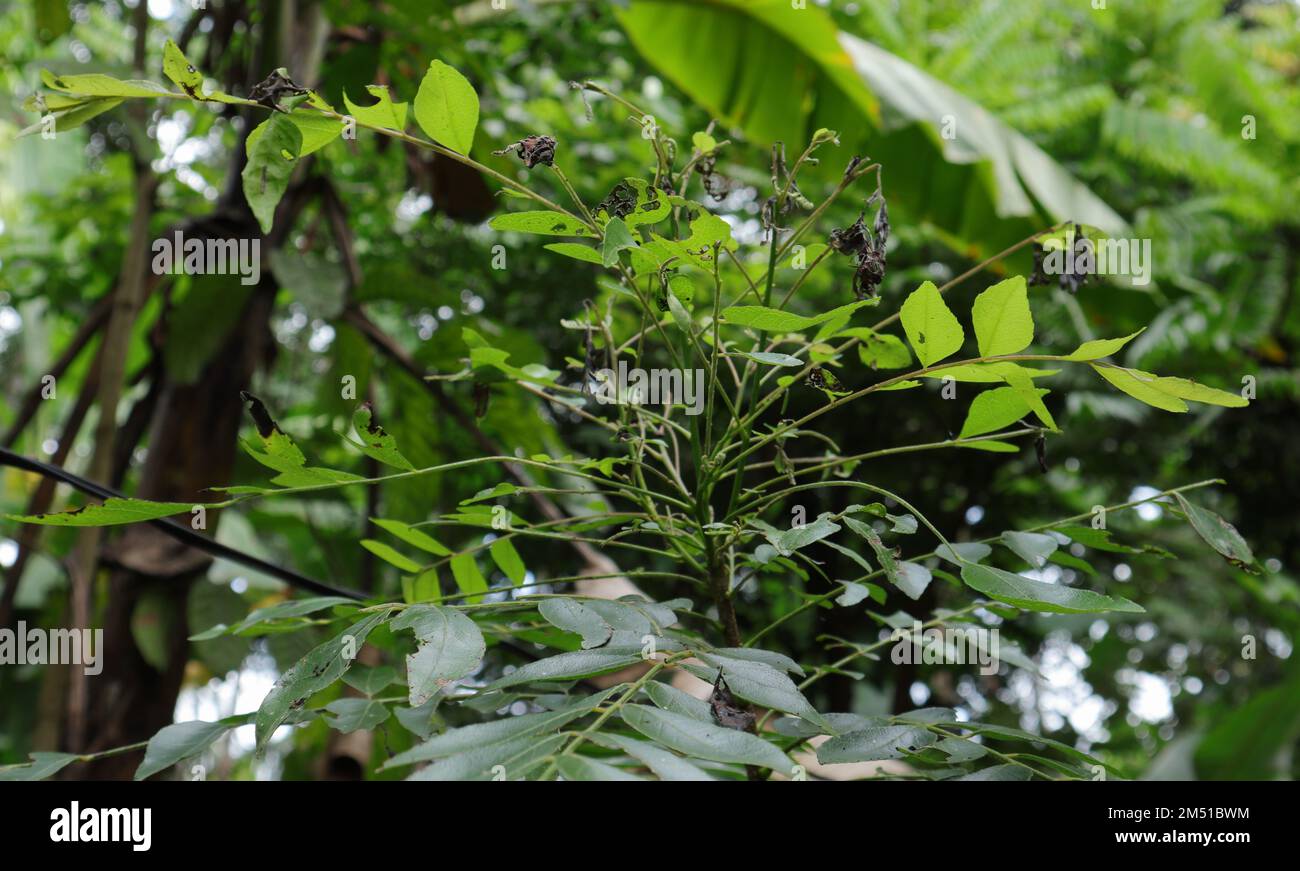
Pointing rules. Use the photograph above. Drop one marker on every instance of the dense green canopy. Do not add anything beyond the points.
(347, 286)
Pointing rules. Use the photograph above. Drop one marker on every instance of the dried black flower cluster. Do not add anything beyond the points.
(825, 380)
(726, 712)
(715, 184)
(1072, 272)
(278, 84)
(533, 150)
(769, 212)
(867, 245)
(593, 358)
(789, 196)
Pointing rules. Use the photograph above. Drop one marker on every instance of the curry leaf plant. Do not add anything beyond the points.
(701, 475)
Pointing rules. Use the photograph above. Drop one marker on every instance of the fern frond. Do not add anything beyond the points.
(1059, 110)
(1189, 149)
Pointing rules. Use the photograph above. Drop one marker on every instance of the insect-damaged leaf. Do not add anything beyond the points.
(451, 646)
(883, 742)
(99, 85)
(270, 163)
(617, 238)
(540, 223)
(572, 616)
(311, 674)
(1033, 547)
(790, 540)
(317, 130)
(635, 202)
(384, 113)
(931, 327)
(181, 71)
(41, 766)
(280, 453)
(911, 578)
(113, 512)
(376, 443)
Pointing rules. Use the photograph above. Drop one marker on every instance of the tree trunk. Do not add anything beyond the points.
(191, 447)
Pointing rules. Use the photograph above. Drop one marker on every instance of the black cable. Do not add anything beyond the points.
(178, 531)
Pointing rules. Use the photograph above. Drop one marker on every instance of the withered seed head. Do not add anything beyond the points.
(850, 240)
(867, 245)
(269, 91)
(533, 150)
